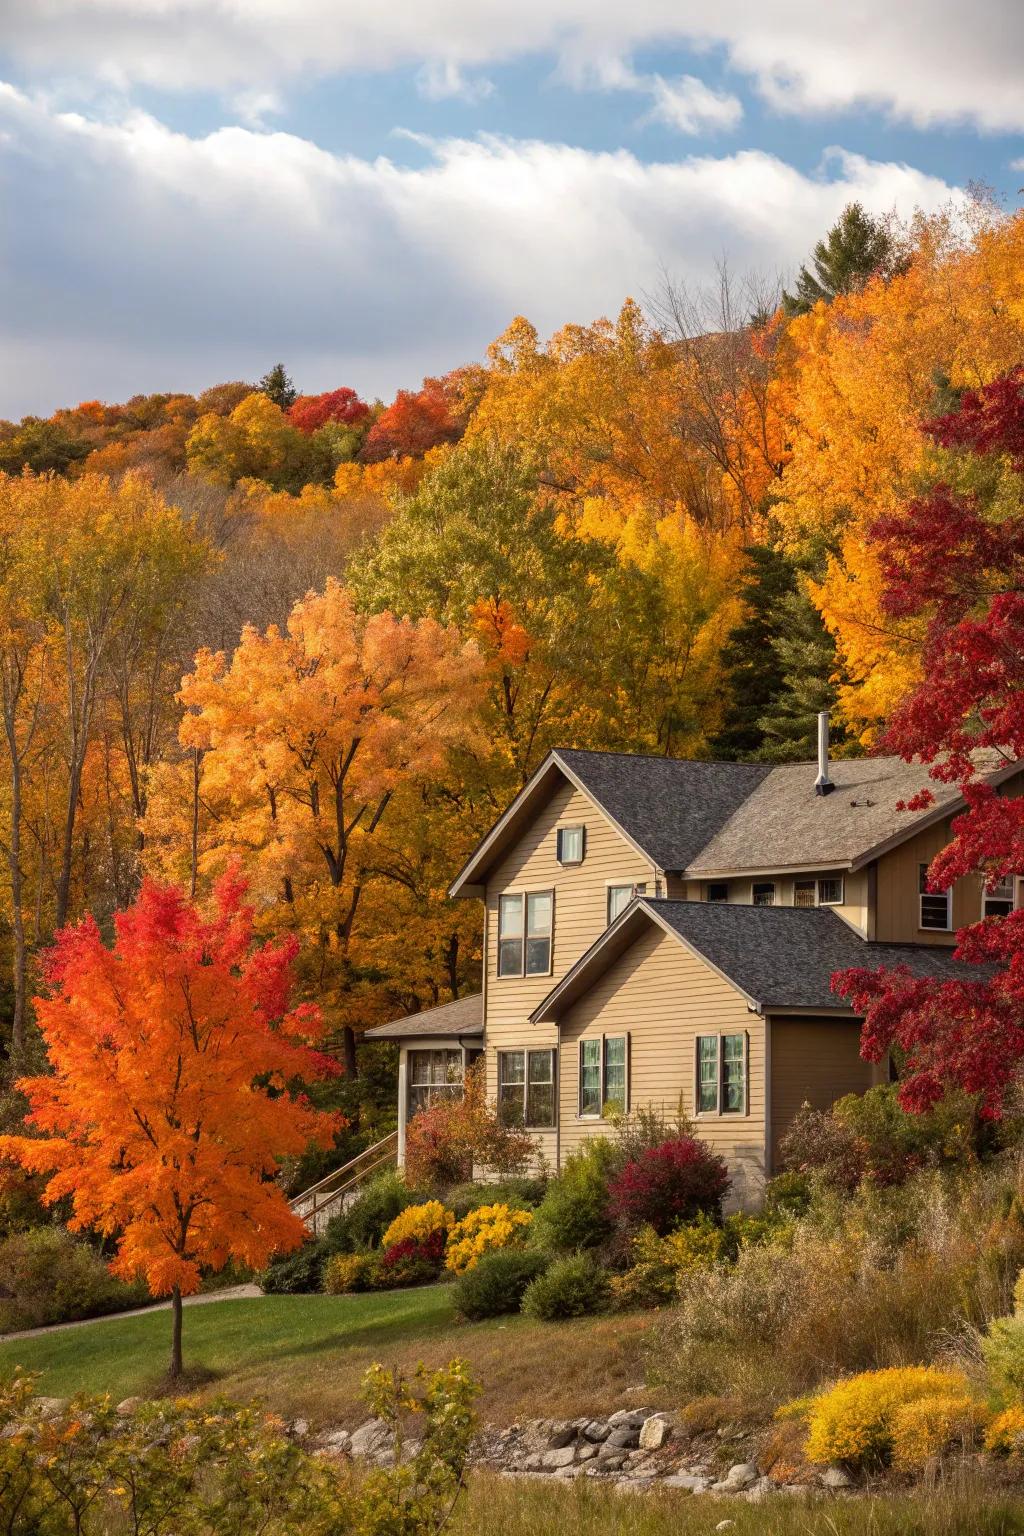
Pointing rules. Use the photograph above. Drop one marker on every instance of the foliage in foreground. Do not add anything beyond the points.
(178, 1468)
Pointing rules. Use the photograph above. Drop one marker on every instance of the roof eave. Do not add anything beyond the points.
(929, 819)
(741, 871)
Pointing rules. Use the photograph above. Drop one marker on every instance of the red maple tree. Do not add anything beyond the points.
(175, 1088)
(415, 422)
(310, 412)
(954, 557)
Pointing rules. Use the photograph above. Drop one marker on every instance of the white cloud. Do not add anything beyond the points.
(254, 107)
(926, 61)
(138, 258)
(443, 79)
(690, 106)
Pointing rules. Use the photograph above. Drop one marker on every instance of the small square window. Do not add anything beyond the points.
(999, 900)
(620, 896)
(830, 891)
(804, 893)
(718, 890)
(571, 843)
(762, 893)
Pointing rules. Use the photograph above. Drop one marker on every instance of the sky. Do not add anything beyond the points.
(191, 190)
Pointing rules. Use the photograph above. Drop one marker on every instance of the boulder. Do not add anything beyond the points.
(631, 1417)
(688, 1480)
(298, 1429)
(596, 1431)
(836, 1477)
(369, 1438)
(127, 1406)
(612, 1462)
(50, 1407)
(563, 1456)
(653, 1433)
(337, 1440)
(743, 1475)
(561, 1434)
(726, 1525)
(625, 1437)
(585, 1452)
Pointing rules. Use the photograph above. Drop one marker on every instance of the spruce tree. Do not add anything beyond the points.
(277, 386)
(806, 655)
(855, 248)
(754, 668)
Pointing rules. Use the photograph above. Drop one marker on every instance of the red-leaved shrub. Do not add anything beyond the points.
(412, 1260)
(669, 1184)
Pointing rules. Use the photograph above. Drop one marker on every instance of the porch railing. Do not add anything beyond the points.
(317, 1204)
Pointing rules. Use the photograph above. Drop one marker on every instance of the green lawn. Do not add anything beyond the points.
(307, 1354)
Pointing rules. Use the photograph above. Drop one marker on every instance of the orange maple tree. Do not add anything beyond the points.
(175, 1066)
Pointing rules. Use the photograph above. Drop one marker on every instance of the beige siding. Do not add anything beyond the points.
(663, 996)
(897, 919)
(814, 1061)
(580, 915)
(854, 906)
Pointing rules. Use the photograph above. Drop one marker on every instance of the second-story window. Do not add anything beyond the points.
(762, 893)
(620, 896)
(936, 907)
(827, 891)
(571, 844)
(718, 890)
(998, 901)
(524, 933)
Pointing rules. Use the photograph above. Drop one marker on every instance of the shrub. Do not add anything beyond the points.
(869, 1137)
(668, 1184)
(295, 1274)
(345, 1272)
(645, 1128)
(1005, 1433)
(1003, 1349)
(48, 1276)
(368, 1218)
(574, 1212)
(411, 1261)
(931, 1426)
(444, 1143)
(788, 1194)
(496, 1284)
(571, 1287)
(521, 1194)
(419, 1222)
(658, 1262)
(487, 1229)
(858, 1420)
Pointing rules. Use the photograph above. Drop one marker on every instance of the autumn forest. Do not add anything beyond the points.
(323, 641)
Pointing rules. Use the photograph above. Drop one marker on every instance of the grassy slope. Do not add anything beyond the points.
(306, 1354)
(502, 1507)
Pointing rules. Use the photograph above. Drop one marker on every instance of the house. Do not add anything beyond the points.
(659, 931)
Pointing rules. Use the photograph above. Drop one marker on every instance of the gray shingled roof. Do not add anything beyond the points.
(779, 957)
(783, 822)
(670, 806)
(784, 957)
(463, 1017)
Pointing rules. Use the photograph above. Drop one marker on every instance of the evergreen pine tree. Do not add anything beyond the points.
(806, 656)
(754, 667)
(856, 247)
(277, 386)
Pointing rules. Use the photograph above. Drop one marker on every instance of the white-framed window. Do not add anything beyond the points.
(620, 896)
(935, 907)
(525, 923)
(1000, 900)
(433, 1075)
(762, 893)
(526, 1088)
(718, 890)
(721, 1074)
(825, 891)
(604, 1076)
(571, 845)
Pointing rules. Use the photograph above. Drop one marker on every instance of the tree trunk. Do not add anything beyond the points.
(348, 1037)
(175, 1370)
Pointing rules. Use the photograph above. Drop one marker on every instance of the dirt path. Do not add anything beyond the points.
(230, 1293)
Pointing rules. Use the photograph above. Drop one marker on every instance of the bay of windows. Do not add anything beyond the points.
(721, 1074)
(524, 933)
(526, 1088)
(604, 1075)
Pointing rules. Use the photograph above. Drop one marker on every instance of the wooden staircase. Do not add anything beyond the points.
(330, 1196)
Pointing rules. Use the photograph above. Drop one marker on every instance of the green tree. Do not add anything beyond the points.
(855, 248)
(277, 386)
(754, 666)
(806, 655)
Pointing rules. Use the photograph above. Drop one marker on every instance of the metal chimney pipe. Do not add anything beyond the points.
(823, 784)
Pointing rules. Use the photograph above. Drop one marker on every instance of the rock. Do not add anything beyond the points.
(625, 1438)
(561, 1435)
(726, 1525)
(298, 1429)
(338, 1440)
(369, 1438)
(742, 1475)
(688, 1480)
(631, 1417)
(653, 1434)
(585, 1452)
(50, 1407)
(612, 1462)
(597, 1430)
(127, 1406)
(835, 1477)
(760, 1491)
(564, 1456)
(568, 1471)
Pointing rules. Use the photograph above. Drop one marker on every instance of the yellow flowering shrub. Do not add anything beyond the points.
(931, 1425)
(346, 1272)
(419, 1222)
(658, 1262)
(856, 1420)
(1005, 1434)
(482, 1231)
